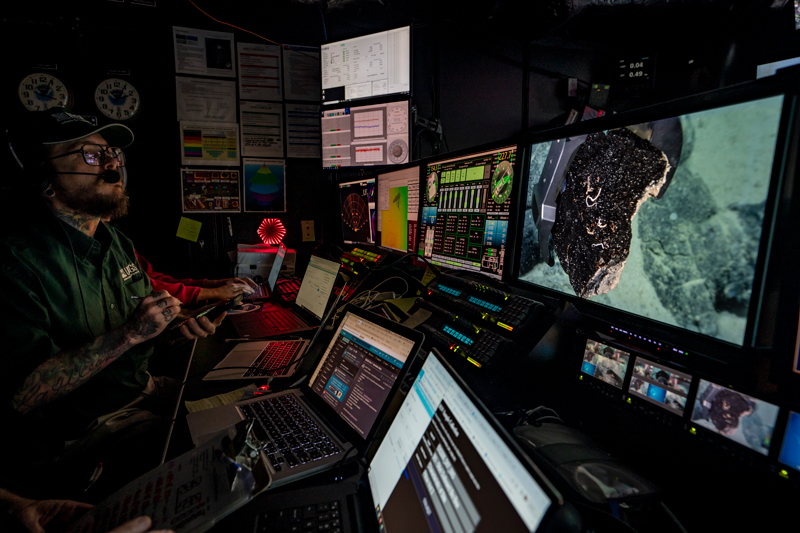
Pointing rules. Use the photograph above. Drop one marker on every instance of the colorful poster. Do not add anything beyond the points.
(262, 129)
(209, 144)
(210, 191)
(264, 185)
(259, 71)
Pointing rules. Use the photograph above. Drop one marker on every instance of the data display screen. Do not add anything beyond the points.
(790, 449)
(365, 135)
(659, 384)
(736, 416)
(465, 211)
(398, 209)
(605, 363)
(662, 219)
(371, 65)
(442, 467)
(357, 203)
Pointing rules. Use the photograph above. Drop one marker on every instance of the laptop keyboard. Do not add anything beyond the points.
(277, 354)
(319, 517)
(288, 289)
(282, 320)
(291, 437)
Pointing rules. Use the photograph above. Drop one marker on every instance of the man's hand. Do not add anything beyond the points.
(154, 313)
(138, 525)
(225, 289)
(201, 327)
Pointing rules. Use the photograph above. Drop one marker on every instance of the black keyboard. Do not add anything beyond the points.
(277, 354)
(283, 320)
(320, 517)
(287, 289)
(291, 436)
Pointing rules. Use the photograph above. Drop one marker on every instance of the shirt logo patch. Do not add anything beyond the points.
(130, 273)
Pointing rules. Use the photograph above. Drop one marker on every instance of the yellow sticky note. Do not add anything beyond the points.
(189, 229)
(428, 277)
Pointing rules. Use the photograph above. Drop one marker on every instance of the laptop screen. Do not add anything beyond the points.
(443, 467)
(315, 291)
(276, 267)
(359, 368)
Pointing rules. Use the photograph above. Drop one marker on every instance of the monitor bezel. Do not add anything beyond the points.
(508, 142)
(389, 170)
(772, 219)
(362, 103)
(408, 94)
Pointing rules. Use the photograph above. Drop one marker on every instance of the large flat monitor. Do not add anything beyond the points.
(357, 204)
(660, 215)
(378, 64)
(443, 466)
(466, 208)
(398, 209)
(366, 135)
(790, 448)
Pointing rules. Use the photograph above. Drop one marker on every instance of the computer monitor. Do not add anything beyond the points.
(466, 208)
(357, 203)
(317, 286)
(366, 135)
(398, 209)
(605, 363)
(378, 64)
(660, 384)
(790, 449)
(735, 415)
(658, 214)
(445, 466)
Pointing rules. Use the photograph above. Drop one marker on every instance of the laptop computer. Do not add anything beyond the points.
(304, 313)
(310, 429)
(445, 465)
(266, 289)
(260, 360)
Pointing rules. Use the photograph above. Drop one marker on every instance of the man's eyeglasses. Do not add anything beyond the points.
(95, 154)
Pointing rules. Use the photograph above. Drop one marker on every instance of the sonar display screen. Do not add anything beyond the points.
(662, 220)
(737, 416)
(357, 202)
(465, 211)
(660, 384)
(605, 363)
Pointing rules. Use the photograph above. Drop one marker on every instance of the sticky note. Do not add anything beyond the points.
(189, 229)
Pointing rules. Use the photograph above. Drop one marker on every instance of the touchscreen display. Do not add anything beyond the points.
(660, 384)
(605, 363)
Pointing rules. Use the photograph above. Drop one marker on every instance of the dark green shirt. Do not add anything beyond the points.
(60, 289)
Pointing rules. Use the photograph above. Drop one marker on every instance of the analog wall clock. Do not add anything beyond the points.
(41, 91)
(117, 99)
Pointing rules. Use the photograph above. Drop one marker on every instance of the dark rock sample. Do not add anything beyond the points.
(700, 258)
(606, 183)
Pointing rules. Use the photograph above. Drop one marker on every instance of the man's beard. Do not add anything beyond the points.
(89, 201)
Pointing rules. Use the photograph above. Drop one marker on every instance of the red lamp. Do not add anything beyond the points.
(271, 231)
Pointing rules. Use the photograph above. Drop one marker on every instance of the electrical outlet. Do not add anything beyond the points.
(308, 230)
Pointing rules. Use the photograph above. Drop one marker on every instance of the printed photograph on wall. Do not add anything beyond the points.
(264, 185)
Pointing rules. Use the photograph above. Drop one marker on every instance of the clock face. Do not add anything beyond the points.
(41, 91)
(398, 151)
(397, 119)
(117, 99)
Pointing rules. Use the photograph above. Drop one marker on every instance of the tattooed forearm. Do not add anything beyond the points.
(69, 369)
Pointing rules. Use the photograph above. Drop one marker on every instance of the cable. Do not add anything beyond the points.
(324, 29)
(338, 477)
(672, 517)
(178, 403)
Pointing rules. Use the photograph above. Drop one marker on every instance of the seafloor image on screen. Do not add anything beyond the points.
(604, 362)
(660, 385)
(790, 449)
(741, 418)
(664, 223)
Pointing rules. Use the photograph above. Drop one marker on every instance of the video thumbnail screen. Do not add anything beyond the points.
(660, 384)
(605, 363)
(365, 135)
(465, 211)
(790, 449)
(737, 416)
(662, 219)
(357, 202)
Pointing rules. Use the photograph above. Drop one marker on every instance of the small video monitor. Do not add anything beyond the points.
(659, 384)
(398, 209)
(735, 415)
(357, 203)
(790, 449)
(359, 135)
(371, 65)
(605, 363)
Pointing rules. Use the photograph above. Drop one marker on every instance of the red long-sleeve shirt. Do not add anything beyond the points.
(185, 290)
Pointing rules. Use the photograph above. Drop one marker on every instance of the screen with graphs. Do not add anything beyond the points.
(398, 209)
(367, 135)
(465, 211)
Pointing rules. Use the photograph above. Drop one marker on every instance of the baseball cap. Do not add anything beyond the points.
(58, 125)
